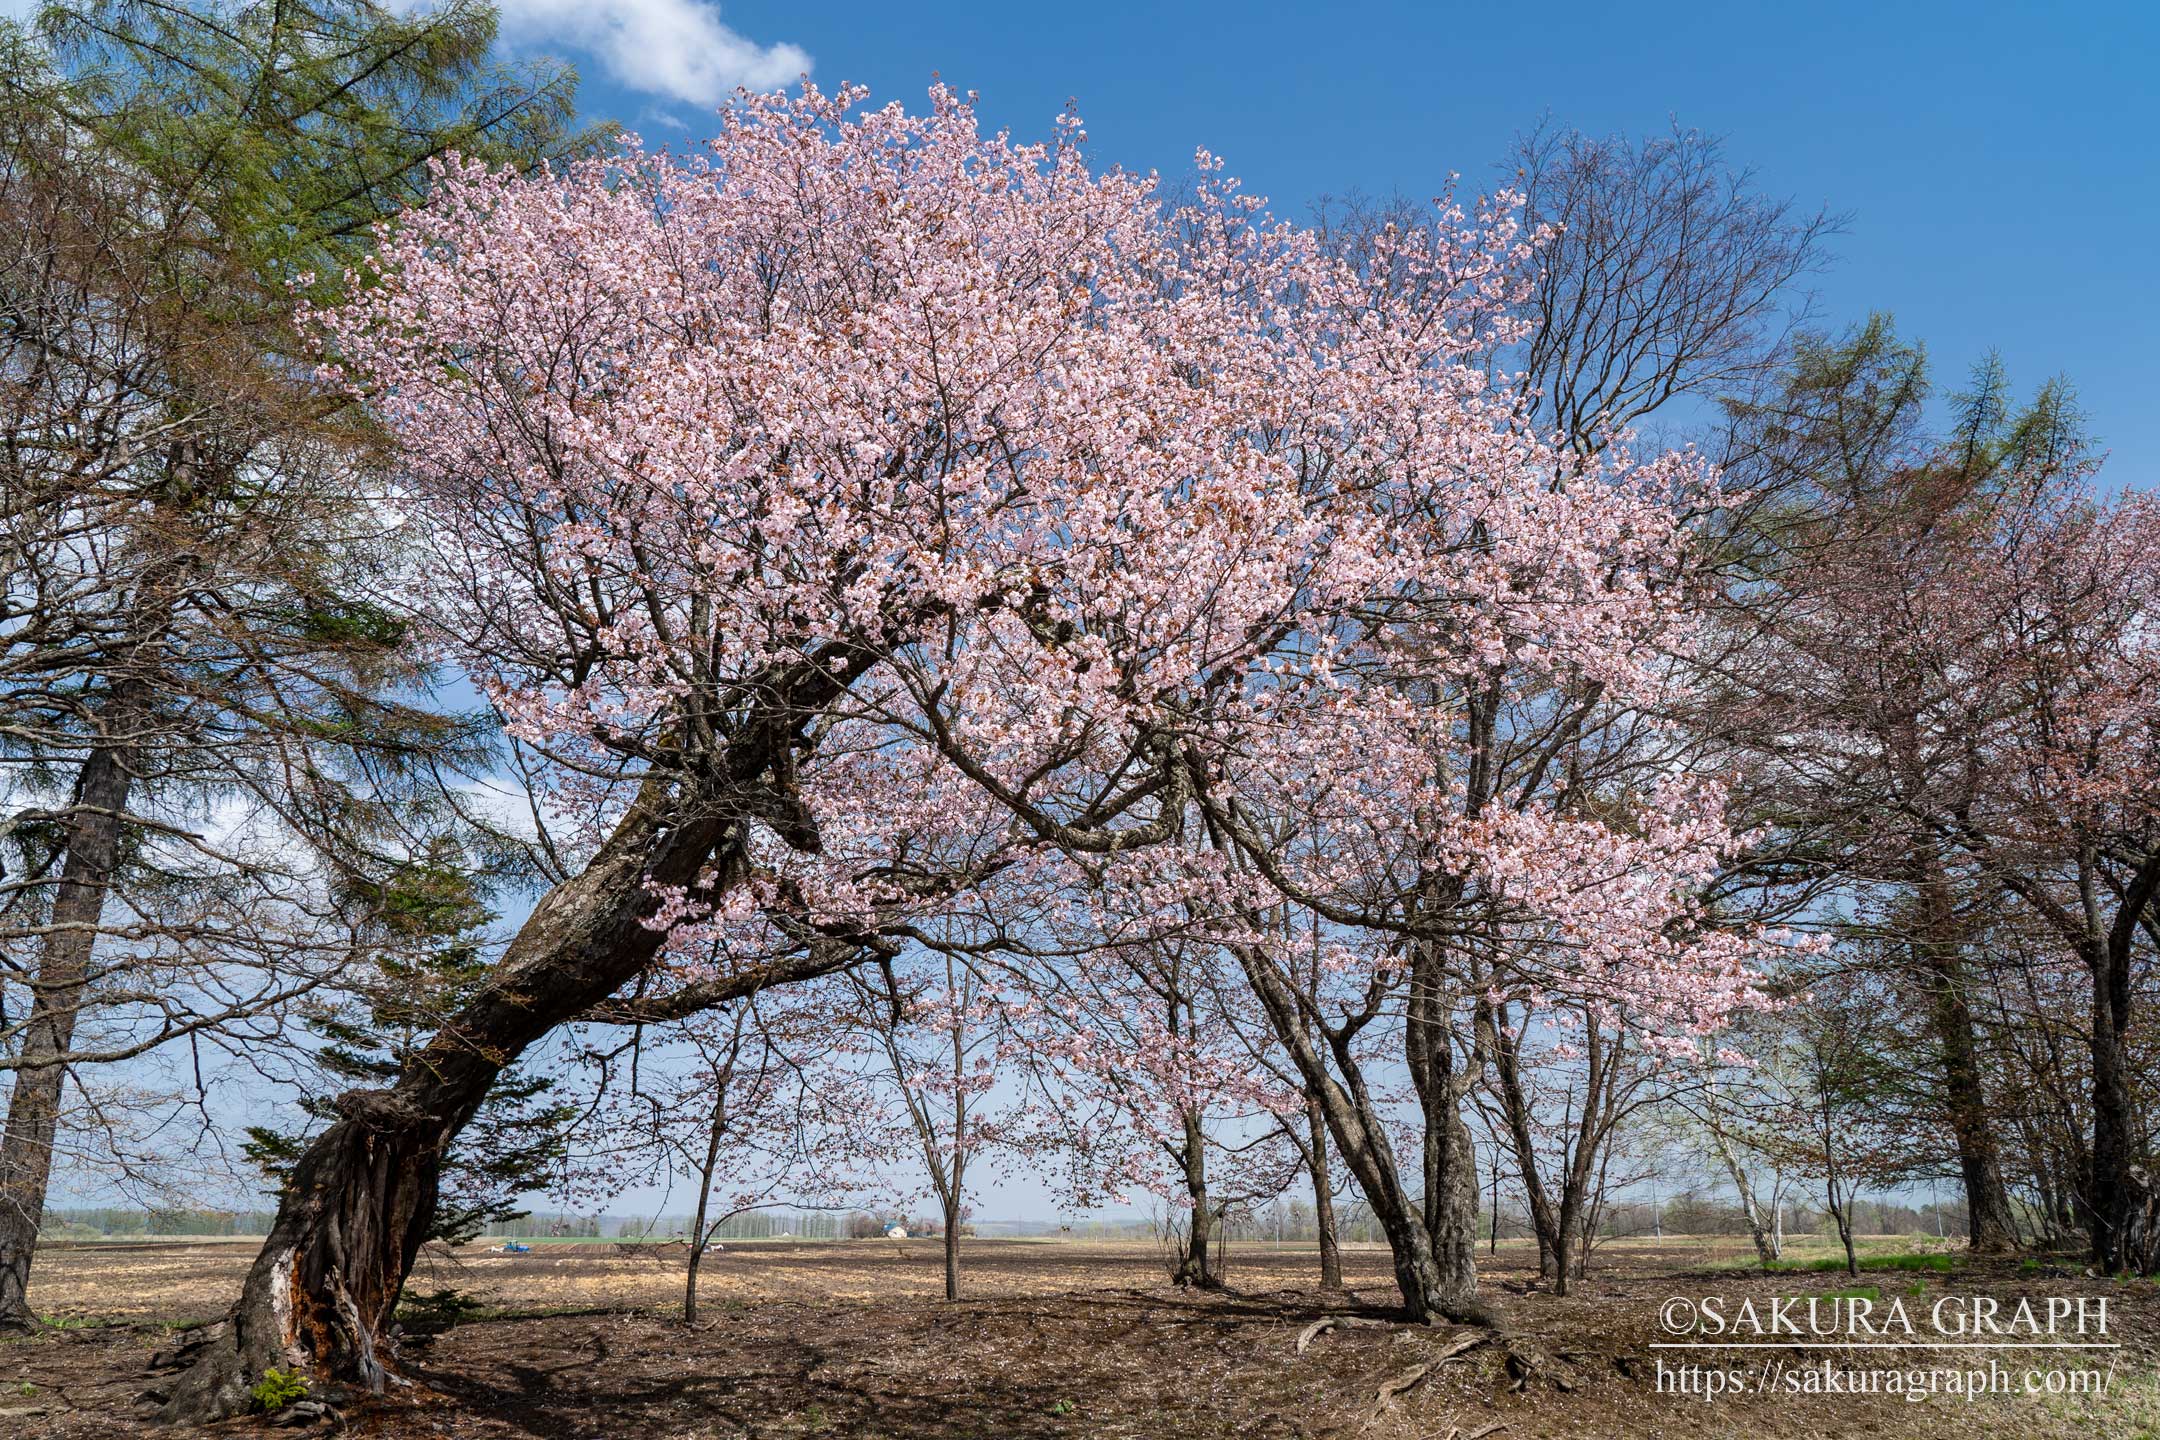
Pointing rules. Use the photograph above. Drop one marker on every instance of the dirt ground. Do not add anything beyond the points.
(1057, 1340)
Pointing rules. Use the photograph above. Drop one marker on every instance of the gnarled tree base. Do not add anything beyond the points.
(321, 1295)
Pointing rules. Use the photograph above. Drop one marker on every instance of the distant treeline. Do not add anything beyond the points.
(107, 1221)
(1686, 1213)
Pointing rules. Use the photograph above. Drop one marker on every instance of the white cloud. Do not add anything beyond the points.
(676, 48)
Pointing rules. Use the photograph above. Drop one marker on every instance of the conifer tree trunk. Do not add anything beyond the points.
(1987, 1200)
(93, 849)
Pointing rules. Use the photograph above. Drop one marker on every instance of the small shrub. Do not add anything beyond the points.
(277, 1389)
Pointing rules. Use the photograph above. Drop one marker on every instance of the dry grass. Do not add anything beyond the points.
(1053, 1340)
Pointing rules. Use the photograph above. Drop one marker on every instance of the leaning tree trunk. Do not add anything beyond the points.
(321, 1295)
(1766, 1245)
(93, 840)
(63, 975)
(1515, 1109)
(1582, 1164)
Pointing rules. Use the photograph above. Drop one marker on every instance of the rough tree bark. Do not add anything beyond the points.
(1941, 970)
(321, 1295)
(2113, 1188)
(93, 851)
(2113, 1192)
(1449, 1155)
(1196, 1263)
(1323, 1200)
(2123, 1200)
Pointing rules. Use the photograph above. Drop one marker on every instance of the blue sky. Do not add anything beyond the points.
(2000, 162)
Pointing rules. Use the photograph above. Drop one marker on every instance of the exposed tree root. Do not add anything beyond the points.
(1326, 1323)
(1416, 1375)
(1527, 1362)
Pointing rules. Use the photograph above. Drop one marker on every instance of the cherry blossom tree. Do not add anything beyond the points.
(1565, 1082)
(934, 1041)
(872, 527)
(1157, 1089)
(743, 1100)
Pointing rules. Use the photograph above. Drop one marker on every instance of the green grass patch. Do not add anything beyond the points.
(1936, 1263)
